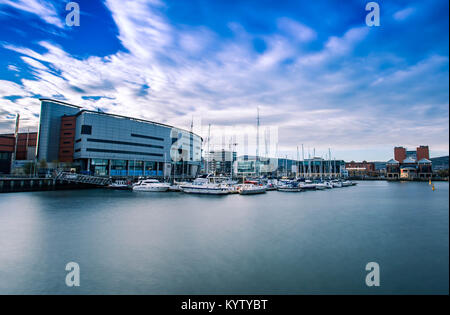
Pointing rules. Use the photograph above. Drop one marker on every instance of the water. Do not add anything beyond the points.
(277, 243)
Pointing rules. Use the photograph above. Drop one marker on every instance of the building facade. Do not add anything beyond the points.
(284, 167)
(25, 151)
(363, 168)
(219, 162)
(112, 145)
(410, 165)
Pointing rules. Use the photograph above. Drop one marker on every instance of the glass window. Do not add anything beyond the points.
(86, 129)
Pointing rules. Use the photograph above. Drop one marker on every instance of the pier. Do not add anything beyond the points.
(8, 185)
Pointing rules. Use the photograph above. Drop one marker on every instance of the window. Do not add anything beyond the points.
(86, 129)
(146, 137)
(125, 143)
(122, 152)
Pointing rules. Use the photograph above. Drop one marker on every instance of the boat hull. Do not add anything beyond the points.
(252, 191)
(289, 189)
(151, 189)
(205, 190)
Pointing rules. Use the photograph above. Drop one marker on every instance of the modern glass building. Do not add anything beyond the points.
(112, 145)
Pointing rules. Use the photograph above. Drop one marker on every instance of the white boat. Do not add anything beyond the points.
(329, 185)
(336, 184)
(249, 189)
(203, 186)
(321, 186)
(151, 185)
(120, 184)
(346, 183)
(289, 187)
(308, 185)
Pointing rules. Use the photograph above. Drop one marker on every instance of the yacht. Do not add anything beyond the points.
(150, 185)
(346, 183)
(308, 185)
(329, 185)
(205, 187)
(120, 185)
(249, 189)
(289, 187)
(336, 184)
(321, 186)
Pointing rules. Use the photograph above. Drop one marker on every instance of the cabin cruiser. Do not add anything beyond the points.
(120, 185)
(150, 185)
(289, 187)
(250, 189)
(308, 185)
(336, 184)
(329, 185)
(205, 187)
(321, 186)
(346, 183)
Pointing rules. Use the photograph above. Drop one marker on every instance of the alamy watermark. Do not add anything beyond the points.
(373, 17)
(73, 17)
(73, 277)
(373, 277)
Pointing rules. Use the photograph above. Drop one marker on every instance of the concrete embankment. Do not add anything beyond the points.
(8, 185)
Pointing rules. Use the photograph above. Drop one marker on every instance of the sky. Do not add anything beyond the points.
(318, 74)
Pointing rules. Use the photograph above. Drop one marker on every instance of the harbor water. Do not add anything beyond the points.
(315, 242)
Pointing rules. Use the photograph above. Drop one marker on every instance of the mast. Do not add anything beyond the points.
(257, 141)
(298, 163)
(16, 136)
(207, 152)
(303, 162)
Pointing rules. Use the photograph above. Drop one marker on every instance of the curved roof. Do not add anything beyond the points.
(409, 161)
(425, 161)
(392, 161)
(117, 116)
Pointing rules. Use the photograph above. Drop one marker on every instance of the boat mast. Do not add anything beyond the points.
(257, 141)
(303, 162)
(207, 150)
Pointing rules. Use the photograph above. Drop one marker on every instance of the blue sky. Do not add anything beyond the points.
(317, 72)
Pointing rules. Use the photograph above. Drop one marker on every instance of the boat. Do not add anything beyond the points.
(205, 187)
(151, 185)
(289, 187)
(308, 185)
(336, 184)
(329, 185)
(321, 186)
(120, 185)
(346, 183)
(249, 189)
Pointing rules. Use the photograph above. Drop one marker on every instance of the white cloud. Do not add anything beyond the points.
(46, 11)
(171, 73)
(404, 14)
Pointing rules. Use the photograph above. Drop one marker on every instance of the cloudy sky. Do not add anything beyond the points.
(317, 72)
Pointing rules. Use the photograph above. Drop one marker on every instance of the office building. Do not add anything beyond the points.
(104, 144)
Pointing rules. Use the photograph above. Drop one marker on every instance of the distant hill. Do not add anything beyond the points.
(440, 163)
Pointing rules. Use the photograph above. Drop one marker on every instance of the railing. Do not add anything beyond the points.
(83, 179)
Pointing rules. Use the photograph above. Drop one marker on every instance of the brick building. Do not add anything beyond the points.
(363, 168)
(26, 149)
(409, 165)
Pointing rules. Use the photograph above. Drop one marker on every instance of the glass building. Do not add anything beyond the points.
(111, 145)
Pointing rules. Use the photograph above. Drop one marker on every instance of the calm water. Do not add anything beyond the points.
(171, 243)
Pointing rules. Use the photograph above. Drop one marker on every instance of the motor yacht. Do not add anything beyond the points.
(151, 185)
